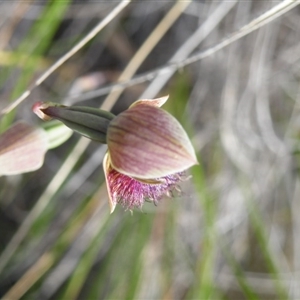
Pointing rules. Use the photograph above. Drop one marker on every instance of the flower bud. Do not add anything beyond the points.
(89, 122)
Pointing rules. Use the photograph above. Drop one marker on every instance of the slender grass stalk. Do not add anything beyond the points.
(48, 259)
(259, 228)
(69, 54)
(238, 272)
(143, 52)
(257, 23)
(33, 44)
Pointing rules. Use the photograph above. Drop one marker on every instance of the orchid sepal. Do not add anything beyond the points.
(158, 102)
(106, 167)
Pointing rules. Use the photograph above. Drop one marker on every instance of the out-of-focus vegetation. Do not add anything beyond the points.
(234, 230)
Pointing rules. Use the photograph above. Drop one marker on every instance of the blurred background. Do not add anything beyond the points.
(233, 232)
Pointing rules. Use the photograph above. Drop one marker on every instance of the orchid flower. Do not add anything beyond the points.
(22, 149)
(23, 146)
(148, 150)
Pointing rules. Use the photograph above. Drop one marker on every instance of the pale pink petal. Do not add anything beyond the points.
(147, 142)
(158, 102)
(22, 149)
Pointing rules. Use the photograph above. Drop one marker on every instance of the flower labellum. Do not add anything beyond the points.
(148, 149)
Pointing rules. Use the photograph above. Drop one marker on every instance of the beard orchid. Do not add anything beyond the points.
(148, 149)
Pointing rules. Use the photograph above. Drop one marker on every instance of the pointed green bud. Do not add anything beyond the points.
(89, 122)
